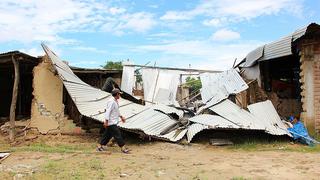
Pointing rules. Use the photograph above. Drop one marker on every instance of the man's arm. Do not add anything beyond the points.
(123, 119)
(107, 115)
(105, 124)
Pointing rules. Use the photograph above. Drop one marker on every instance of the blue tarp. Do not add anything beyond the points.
(300, 133)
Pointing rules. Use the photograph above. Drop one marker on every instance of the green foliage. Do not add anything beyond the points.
(113, 65)
(138, 76)
(193, 83)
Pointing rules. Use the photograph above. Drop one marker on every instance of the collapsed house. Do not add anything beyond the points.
(288, 72)
(169, 123)
(58, 91)
(42, 101)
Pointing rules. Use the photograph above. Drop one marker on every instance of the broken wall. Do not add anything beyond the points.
(47, 111)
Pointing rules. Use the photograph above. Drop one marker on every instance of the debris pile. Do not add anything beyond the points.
(170, 123)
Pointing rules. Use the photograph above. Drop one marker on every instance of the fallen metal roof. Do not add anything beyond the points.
(266, 113)
(253, 56)
(214, 121)
(91, 102)
(240, 117)
(154, 120)
(194, 129)
(217, 87)
(262, 116)
(153, 123)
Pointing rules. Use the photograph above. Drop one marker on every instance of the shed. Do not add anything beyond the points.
(288, 70)
(24, 98)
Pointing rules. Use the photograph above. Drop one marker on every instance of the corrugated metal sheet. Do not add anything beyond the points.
(214, 121)
(240, 117)
(152, 123)
(152, 120)
(253, 57)
(262, 116)
(299, 33)
(167, 109)
(91, 102)
(277, 49)
(217, 87)
(266, 113)
(194, 129)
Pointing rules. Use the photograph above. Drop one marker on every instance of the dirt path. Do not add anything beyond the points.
(160, 160)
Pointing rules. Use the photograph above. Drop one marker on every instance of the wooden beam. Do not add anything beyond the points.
(168, 68)
(14, 98)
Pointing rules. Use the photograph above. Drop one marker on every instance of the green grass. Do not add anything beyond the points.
(59, 148)
(238, 178)
(76, 170)
(273, 146)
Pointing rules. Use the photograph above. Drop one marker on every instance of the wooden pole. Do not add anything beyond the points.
(155, 86)
(14, 98)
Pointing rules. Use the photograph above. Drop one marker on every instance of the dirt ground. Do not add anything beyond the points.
(74, 157)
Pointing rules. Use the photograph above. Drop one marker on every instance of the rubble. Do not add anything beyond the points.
(168, 123)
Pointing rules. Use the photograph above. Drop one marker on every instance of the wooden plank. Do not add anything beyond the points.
(14, 98)
(5, 157)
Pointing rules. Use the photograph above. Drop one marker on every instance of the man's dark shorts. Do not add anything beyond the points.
(112, 131)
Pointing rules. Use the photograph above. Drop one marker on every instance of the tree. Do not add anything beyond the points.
(138, 76)
(113, 65)
(193, 83)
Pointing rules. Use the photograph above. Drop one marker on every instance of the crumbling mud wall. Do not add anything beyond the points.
(47, 108)
(47, 111)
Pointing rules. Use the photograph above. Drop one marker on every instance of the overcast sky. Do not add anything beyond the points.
(206, 34)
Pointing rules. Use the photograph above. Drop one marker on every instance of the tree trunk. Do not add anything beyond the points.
(14, 99)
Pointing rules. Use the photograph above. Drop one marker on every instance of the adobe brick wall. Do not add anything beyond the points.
(316, 70)
(310, 80)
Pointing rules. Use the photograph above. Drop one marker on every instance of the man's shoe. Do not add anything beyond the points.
(125, 150)
(100, 149)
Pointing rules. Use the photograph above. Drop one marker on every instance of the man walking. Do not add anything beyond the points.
(111, 121)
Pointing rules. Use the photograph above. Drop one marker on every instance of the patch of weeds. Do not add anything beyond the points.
(60, 148)
(196, 177)
(52, 167)
(4, 146)
(117, 170)
(75, 175)
(238, 178)
(132, 162)
(95, 164)
(273, 146)
(58, 170)
(302, 148)
(248, 146)
(200, 175)
(7, 175)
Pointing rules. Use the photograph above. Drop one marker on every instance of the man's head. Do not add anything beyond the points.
(116, 93)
